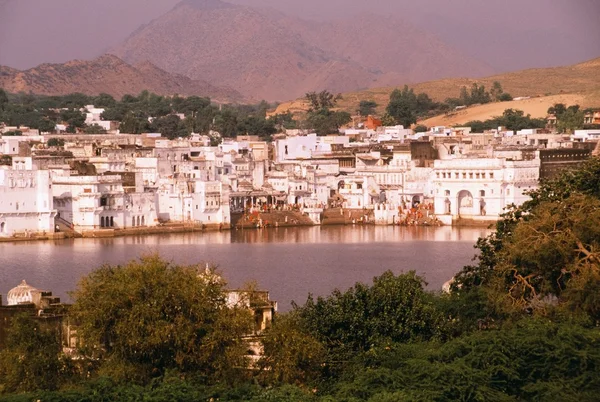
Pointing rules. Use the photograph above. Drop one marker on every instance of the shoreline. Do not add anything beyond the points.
(183, 228)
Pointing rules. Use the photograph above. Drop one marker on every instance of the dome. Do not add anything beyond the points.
(21, 294)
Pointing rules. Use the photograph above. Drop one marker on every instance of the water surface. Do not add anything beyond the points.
(289, 262)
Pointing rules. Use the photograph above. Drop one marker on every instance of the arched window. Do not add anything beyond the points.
(2, 227)
(101, 221)
(112, 221)
(143, 221)
(133, 221)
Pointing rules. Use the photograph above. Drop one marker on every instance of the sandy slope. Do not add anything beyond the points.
(536, 107)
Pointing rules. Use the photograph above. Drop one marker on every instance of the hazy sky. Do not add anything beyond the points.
(507, 34)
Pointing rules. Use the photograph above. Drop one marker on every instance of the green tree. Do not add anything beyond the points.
(94, 129)
(403, 106)
(32, 358)
(149, 315)
(496, 91)
(421, 129)
(56, 142)
(571, 120)
(73, 118)
(226, 123)
(322, 100)
(367, 107)
(393, 309)
(290, 354)
(104, 101)
(170, 126)
(3, 100)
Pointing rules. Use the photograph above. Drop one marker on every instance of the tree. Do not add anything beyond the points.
(56, 142)
(74, 118)
(94, 129)
(31, 359)
(104, 100)
(170, 126)
(226, 123)
(322, 100)
(479, 94)
(366, 107)
(3, 100)
(570, 120)
(421, 129)
(403, 106)
(290, 354)
(393, 309)
(150, 315)
(496, 91)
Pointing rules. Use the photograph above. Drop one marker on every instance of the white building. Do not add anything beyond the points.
(480, 189)
(25, 202)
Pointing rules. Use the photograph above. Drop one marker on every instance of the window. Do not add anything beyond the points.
(482, 193)
(491, 175)
(447, 193)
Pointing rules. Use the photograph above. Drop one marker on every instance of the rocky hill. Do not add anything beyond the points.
(265, 54)
(111, 75)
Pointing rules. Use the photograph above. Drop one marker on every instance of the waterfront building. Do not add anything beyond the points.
(480, 189)
(26, 204)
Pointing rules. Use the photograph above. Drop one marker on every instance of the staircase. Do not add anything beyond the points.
(65, 227)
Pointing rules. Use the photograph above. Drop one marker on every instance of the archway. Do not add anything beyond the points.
(2, 227)
(143, 221)
(101, 221)
(465, 203)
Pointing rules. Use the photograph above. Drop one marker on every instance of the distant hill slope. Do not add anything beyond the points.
(581, 81)
(265, 54)
(108, 74)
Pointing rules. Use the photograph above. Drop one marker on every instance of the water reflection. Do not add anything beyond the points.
(290, 262)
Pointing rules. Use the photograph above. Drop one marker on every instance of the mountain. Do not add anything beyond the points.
(108, 74)
(265, 54)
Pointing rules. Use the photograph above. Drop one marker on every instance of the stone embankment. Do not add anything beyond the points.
(269, 219)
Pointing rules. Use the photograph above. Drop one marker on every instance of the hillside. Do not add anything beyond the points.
(570, 84)
(107, 74)
(265, 54)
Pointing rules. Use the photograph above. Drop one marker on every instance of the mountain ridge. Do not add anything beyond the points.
(107, 74)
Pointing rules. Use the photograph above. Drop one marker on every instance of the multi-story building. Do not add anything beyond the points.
(26, 206)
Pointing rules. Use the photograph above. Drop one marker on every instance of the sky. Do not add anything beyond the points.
(506, 34)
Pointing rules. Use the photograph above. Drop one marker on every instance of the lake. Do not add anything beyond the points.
(289, 262)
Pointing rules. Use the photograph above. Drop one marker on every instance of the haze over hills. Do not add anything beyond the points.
(108, 74)
(267, 55)
(569, 84)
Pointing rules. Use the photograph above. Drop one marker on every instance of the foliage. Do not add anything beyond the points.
(170, 126)
(534, 360)
(511, 119)
(366, 107)
(320, 117)
(322, 100)
(543, 252)
(94, 129)
(56, 142)
(15, 133)
(32, 357)
(290, 354)
(150, 315)
(403, 106)
(421, 129)
(394, 309)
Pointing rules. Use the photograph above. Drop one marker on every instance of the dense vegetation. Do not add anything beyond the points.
(146, 112)
(406, 107)
(519, 324)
